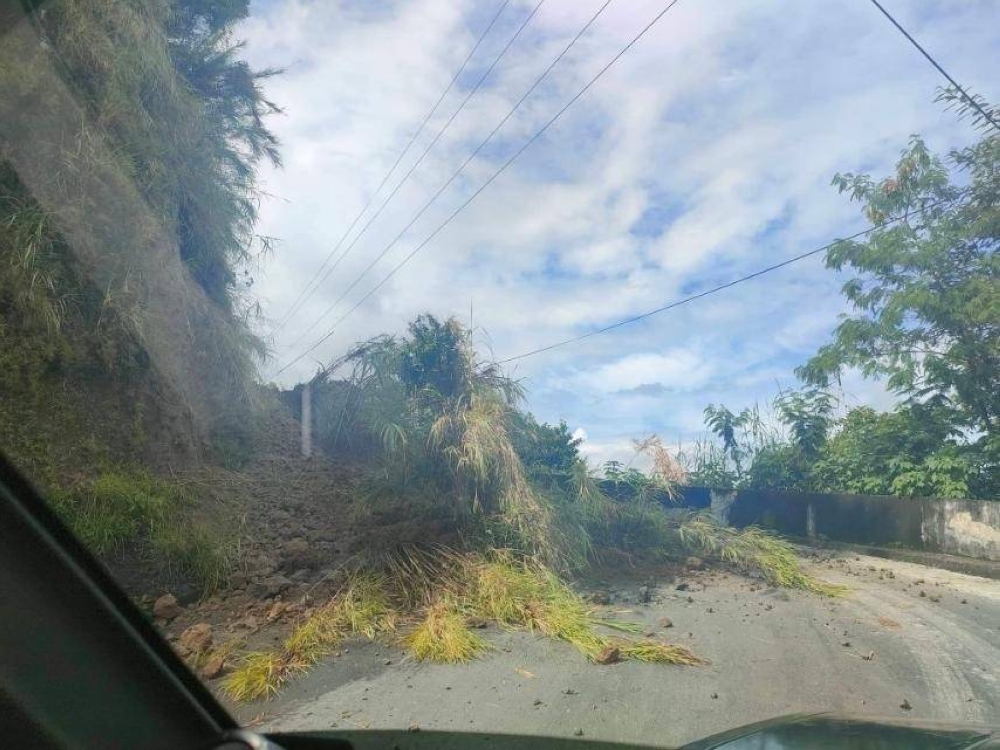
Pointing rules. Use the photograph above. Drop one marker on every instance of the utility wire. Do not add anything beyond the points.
(970, 99)
(420, 160)
(306, 293)
(492, 177)
(454, 175)
(720, 287)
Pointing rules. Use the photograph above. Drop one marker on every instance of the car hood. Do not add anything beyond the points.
(798, 732)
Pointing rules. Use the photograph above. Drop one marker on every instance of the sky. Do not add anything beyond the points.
(704, 153)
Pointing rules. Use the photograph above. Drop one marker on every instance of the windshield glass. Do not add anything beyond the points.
(624, 370)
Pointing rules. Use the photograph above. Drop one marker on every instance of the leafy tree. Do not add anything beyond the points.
(907, 452)
(545, 448)
(926, 290)
(808, 416)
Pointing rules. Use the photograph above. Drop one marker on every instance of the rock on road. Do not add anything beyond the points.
(906, 635)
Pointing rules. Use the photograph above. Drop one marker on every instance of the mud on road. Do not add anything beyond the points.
(908, 641)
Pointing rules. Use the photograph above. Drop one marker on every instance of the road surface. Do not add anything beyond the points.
(883, 648)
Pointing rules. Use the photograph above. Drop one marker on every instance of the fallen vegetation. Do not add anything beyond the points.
(473, 590)
(448, 447)
(752, 550)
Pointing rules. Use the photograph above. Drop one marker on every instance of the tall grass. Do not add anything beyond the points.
(122, 509)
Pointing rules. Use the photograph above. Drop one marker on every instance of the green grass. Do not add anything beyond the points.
(123, 508)
(444, 636)
(260, 675)
(317, 635)
(365, 606)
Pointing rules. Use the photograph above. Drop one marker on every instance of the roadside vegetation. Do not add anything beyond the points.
(434, 603)
(444, 442)
(132, 512)
(171, 111)
(925, 319)
(507, 508)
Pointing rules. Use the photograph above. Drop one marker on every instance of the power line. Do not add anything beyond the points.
(489, 181)
(455, 174)
(420, 159)
(719, 288)
(305, 293)
(970, 99)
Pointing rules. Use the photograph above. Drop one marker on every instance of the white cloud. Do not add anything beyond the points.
(673, 370)
(705, 153)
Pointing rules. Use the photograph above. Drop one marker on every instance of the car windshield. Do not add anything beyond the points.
(625, 370)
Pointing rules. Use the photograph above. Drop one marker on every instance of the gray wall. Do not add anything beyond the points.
(959, 527)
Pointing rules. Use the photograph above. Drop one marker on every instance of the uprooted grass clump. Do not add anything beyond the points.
(442, 596)
(444, 636)
(261, 674)
(752, 550)
(364, 607)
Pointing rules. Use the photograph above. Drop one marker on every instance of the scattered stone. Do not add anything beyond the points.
(649, 634)
(570, 691)
(694, 563)
(645, 595)
(296, 547)
(610, 655)
(196, 639)
(905, 705)
(846, 644)
(250, 622)
(715, 696)
(477, 622)
(690, 600)
(186, 594)
(682, 586)
(666, 622)
(166, 607)
(387, 662)
(274, 585)
(601, 597)
(213, 667)
(538, 702)
(923, 593)
(414, 728)
(277, 610)
(578, 732)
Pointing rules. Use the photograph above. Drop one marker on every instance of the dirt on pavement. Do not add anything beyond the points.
(908, 641)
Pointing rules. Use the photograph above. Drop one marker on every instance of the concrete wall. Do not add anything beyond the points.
(959, 527)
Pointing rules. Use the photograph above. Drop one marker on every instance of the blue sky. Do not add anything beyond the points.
(705, 153)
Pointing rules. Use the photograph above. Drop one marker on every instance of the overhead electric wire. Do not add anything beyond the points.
(492, 177)
(420, 159)
(456, 173)
(306, 293)
(968, 97)
(720, 287)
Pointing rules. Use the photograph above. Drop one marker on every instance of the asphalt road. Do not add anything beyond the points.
(772, 652)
